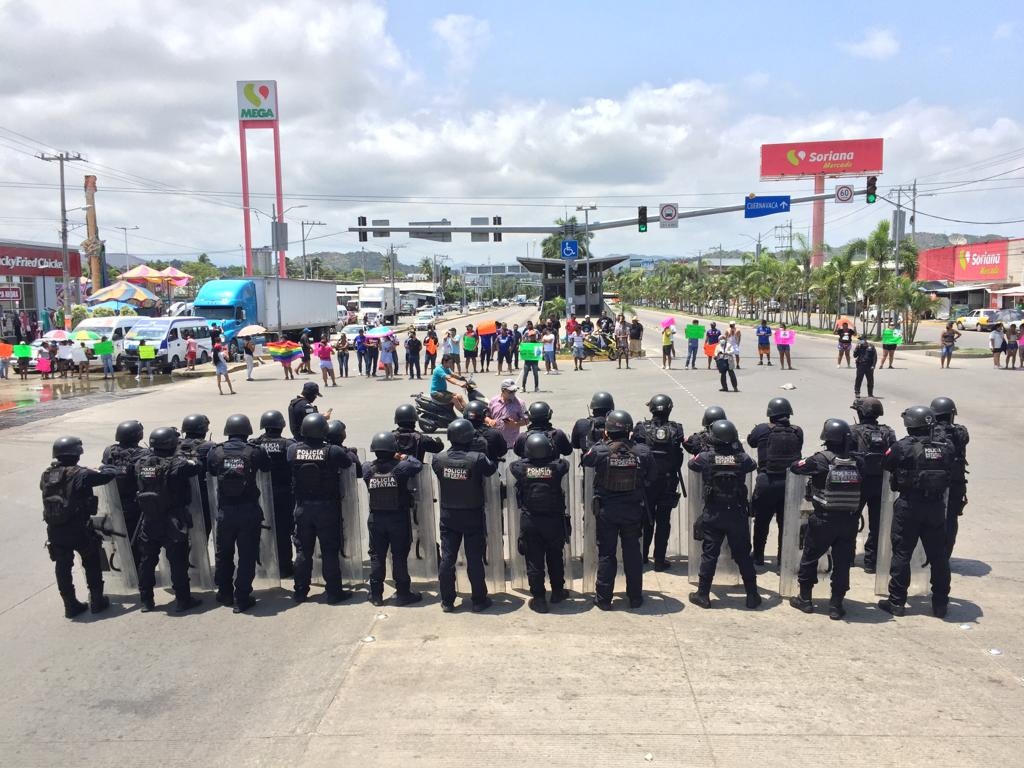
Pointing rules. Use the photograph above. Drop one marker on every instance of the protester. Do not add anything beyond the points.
(508, 412)
(997, 343)
(220, 364)
(636, 335)
(80, 360)
(388, 357)
(5, 361)
(692, 346)
(845, 334)
(341, 347)
(324, 354)
(578, 353)
(504, 342)
(547, 339)
(450, 347)
(191, 350)
(763, 332)
(145, 364)
(412, 356)
(249, 355)
(371, 356)
(531, 335)
(470, 341)
(888, 350)
(517, 337)
(587, 326)
(1012, 340)
(726, 362)
(486, 342)
(733, 338)
(622, 340)
(360, 343)
(784, 348)
(666, 348)
(711, 339)
(430, 345)
(948, 340)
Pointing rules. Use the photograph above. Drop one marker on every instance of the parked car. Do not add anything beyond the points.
(423, 321)
(351, 331)
(975, 320)
(1007, 317)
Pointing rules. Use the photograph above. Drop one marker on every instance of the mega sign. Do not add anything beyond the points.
(257, 99)
(981, 261)
(855, 157)
(36, 261)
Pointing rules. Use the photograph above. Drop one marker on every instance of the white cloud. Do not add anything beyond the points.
(877, 44)
(1004, 31)
(464, 37)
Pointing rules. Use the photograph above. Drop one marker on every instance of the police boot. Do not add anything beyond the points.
(186, 602)
(939, 608)
(300, 595)
(702, 596)
(835, 607)
(225, 598)
(558, 595)
(244, 605)
(98, 602)
(407, 598)
(753, 598)
(72, 607)
(759, 555)
(802, 602)
(538, 604)
(333, 598)
(146, 598)
(662, 565)
(375, 599)
(896, 609)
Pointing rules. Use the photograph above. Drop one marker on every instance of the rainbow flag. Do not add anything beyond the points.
(283, 351)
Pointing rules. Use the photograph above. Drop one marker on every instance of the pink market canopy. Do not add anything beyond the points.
(175, 277)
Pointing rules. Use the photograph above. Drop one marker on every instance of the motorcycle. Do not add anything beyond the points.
(433, 416)
(600, 345)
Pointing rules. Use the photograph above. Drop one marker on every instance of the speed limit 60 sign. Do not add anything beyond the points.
(844, 193)
(668, 215)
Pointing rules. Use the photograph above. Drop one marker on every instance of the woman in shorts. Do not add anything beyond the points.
(220, 364)
(948, 342)
(324, 352)
(784, 349)
(1012, 340)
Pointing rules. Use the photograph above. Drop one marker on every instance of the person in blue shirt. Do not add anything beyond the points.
(712, 337)
(692, 347)
(439, 381)
(505, 341)
(763, 332)
(486, 341)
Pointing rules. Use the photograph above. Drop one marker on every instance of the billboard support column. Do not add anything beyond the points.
(246, 224)
(257, 108)
(282, 264)
(818, 224)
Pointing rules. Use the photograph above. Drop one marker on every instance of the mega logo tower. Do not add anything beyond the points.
(257, 109)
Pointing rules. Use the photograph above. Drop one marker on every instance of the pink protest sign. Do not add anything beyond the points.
(784, 337)
(43, 364)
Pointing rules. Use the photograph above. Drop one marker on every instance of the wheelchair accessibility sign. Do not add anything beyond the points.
(570, 249)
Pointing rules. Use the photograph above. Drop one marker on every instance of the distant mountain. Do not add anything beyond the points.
(927, 240)
(372, 261)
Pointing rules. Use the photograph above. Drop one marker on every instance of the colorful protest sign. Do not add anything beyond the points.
(6, 350)
(43, 364)
(103, 348)
(695, 331)
(892, 336)
(784, 337)
(529, 350)
(23, 350)
(147, 352)
(710, 349)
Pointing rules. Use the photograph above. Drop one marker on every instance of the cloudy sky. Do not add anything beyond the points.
(418, 111)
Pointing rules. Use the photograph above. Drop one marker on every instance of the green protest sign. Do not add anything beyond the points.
(892, 336)
(147, 352)
(103, 348)
(695, 331)
(529, 350)
(23, 350)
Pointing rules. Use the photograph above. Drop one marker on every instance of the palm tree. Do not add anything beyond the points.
(551, 247)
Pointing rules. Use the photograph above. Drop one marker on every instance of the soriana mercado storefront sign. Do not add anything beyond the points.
(854, 157)
(981, 261)
(32, 260)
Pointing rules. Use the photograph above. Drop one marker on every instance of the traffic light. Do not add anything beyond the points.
(872, 191)
(361, 221)
(496, 221)
(641, 218)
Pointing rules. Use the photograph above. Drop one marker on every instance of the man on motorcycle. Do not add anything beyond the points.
(439, 381)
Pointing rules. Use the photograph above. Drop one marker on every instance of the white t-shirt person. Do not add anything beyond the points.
(996, 339)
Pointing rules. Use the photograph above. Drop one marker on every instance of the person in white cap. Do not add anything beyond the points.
(508, 412)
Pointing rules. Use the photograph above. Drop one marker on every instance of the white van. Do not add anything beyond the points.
(114, 328)
(168, 334)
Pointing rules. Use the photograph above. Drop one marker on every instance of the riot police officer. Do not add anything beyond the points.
(919, 467)
(701, 441)
(623, 471)
(411, 442)
(68, 503)
(665, 439)
(488, 441)
(778, 445)
(539, 414)
(316, 482)
(723, 472)
(239, 516)
(957, 435)
(543, 526)
(834, 488)
(589, 430)
(302, 405)
(461, 472)
(123, 454)
(194, 446)
(275, 445)
(163, 479)
(387, 479)
(870, 442)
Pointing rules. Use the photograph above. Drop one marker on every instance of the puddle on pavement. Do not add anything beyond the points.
(25, 401)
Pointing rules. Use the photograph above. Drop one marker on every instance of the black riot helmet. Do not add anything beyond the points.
(835, 432)
(723, 432)
(164, 440)
(601, 403)
(475, 411)
(195, 425)
(336, 432)
(314, 426)
(618, 423)
(712, 414)
(944, 409)
(778, 407)
(868, 408)
(461, 433)
(405, 415)
(384, 444)
(67, 448)
(538, 447)
(128, 432)
(918, 419)
(660, 405)
(539, 412)
(237, 425)
(272, 421)
(311, 390)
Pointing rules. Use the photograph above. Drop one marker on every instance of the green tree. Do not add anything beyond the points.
(551, 246)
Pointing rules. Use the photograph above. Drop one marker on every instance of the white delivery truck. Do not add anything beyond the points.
(378, 304)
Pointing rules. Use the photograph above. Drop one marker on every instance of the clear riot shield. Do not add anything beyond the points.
(589, 538)
(268, 568)
(727, 573)
(120, 577)
(199, 570)
(574, 568)
(677, 546)
(355, 506)
(794, 517)
(920, 572)
(567, 551)
(517, 561)
(424, 553)
(494, 552)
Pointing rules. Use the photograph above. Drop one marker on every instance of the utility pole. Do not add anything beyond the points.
(61, 158)
(913, 213)
(309, 224)
(126, 230)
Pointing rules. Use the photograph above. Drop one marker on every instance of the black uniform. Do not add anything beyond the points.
(460, 476)
(871, 440)
(196, 449)
(276, 447)
(68, 502)
(489, 442)
(586, 432)
(866, 357)
(957, 436)
(316, 483)
(298, 409)
(834, 489)
(778, 445)
(623, 471)
(164, 494)
(723, 480)
(543, 526)
(389, 521)
(558, 439)
(920, 469)
(239, 515)
(665, 439)
(698, 442)
(123, 458)
(413, 443)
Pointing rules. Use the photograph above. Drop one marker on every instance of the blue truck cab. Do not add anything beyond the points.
(229, 304)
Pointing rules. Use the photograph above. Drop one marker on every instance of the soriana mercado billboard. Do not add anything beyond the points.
(981, 261)
(853, 157)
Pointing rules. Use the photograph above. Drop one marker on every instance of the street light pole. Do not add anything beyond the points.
(310, 224)
(61, 158)
(587, 208)
(126, 230)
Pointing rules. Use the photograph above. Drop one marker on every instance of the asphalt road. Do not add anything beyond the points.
(666, 685)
